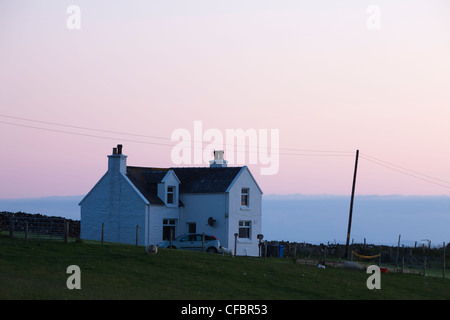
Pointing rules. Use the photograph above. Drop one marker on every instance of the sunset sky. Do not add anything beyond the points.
(319, 72)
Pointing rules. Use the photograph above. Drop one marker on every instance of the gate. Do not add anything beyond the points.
(37, 228)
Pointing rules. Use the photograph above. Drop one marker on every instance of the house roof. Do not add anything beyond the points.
(146, 181)
(206, 180)
(192, 180)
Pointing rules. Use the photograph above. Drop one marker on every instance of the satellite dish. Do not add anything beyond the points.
(211, 221)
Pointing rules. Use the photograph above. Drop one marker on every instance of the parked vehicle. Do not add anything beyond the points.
(193, 241)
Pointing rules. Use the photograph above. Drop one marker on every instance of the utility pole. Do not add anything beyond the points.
(351, 205)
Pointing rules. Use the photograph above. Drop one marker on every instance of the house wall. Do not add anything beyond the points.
(238, 213)
(155, 224)
(114, 202)
(198, 207)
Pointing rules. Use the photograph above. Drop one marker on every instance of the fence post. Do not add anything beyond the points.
(66, 232)
(260, 237)
(235, 243)
(103, 230)
(265, 250)
(424, 266)
(295, 252)
(443, 262)
(26, 232)
(424, 260)
(396, 257)
(11, 226)
(403, 264)
(203, 242)
(137, 235)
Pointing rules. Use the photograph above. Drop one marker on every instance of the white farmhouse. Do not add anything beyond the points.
(217, 200)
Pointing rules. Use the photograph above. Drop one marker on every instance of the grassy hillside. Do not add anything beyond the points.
(112, 271)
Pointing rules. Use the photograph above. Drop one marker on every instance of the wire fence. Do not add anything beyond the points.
(37, 228)
(28, 226)
(423, 260)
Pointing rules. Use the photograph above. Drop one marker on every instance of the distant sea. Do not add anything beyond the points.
(378, 219)
(58, 206)
(315, 218)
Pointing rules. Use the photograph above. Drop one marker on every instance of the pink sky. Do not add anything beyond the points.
(312, 70)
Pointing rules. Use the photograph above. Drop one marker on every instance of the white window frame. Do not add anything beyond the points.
(246, 194)
(247, 225)
(173, 193)
(171, 224)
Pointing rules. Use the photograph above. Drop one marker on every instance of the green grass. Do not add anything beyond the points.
(114, 271)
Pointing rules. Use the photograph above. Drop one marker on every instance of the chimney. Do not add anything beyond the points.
(218, 161)
(117, 162)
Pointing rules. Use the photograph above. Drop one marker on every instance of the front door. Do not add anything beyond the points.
(168, 229)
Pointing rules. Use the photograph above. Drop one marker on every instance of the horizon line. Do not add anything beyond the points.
(264, 195)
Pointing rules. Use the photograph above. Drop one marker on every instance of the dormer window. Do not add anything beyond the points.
(170, 194)
(245, 193)
(168, 189)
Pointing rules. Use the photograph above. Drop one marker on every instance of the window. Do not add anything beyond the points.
(192, 227)
(168, 228)
(170, 194)
(185, 238)
(244, 229)
(244, 197)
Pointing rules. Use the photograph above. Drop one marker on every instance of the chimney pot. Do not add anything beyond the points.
(117, 162)
(218, 160)
(218, 154)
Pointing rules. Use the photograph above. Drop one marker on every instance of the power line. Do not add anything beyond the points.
(415, 172)
(84, 128)
(405, 173)
(82, 134)
(304, 152)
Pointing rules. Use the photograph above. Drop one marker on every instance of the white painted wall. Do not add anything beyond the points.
(198, 207)
(155, 225)
(115, 202)
(238, 213)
